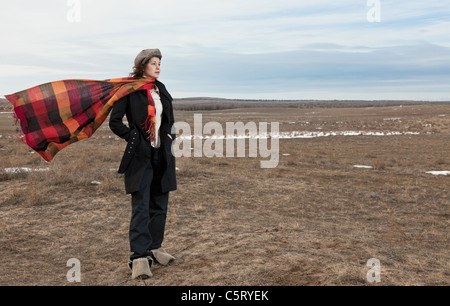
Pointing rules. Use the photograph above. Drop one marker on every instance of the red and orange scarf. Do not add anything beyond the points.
(56, 114)
(150, 123)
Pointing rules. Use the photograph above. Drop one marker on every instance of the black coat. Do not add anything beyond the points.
(137, 153)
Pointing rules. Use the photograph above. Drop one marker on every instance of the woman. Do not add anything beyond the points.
(148, 162)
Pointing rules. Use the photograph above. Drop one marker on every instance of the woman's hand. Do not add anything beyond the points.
(170, 136)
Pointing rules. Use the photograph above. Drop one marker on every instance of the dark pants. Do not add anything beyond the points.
(149, 209)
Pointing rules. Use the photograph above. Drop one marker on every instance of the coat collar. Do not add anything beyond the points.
(163, 91)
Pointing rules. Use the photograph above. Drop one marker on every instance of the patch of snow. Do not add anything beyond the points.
(23, 169)
(42, 169)
(363, 166)
(439, 172)
(95, 182)
(297, 134)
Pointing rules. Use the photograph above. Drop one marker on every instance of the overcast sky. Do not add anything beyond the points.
(264, 49)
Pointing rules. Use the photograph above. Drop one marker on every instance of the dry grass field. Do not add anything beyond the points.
(315, 219)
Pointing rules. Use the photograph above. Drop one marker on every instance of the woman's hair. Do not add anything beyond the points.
(138, 71)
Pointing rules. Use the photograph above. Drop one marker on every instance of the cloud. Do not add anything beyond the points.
(7, 71)
(326, 69)
(246, 48)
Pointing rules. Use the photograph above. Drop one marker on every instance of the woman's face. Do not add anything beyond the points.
(153, 68)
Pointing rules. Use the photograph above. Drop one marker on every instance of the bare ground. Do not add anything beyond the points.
(312, 220)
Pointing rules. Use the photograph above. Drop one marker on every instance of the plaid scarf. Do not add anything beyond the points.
(56, 114)
(149, 124)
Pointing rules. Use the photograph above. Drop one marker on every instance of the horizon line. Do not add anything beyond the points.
(303, 100)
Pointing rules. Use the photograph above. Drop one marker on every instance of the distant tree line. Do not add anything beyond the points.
(217, 104)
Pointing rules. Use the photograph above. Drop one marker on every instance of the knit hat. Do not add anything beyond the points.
(145, 55)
